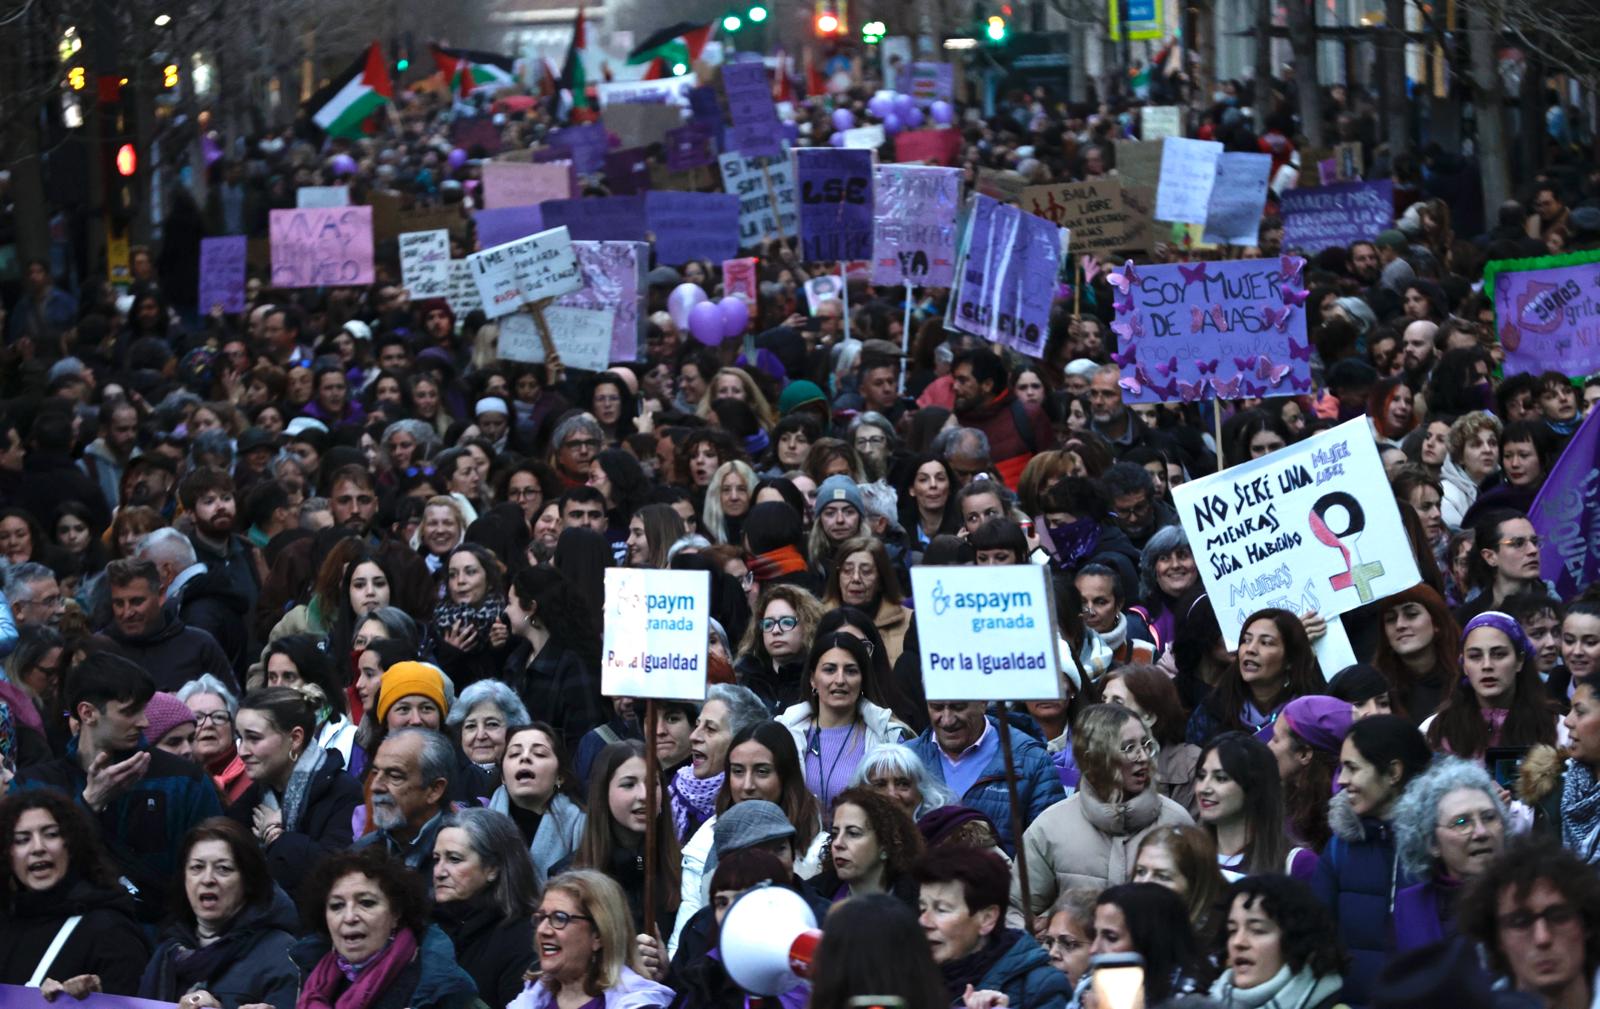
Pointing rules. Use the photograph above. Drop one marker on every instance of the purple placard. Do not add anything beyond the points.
(613, 277)
(1229, 329)
(689, 147)
(835, 192)
(703, 107)
(588, 144)
(506, 224)
(597, 218)
(1550, 316)
(1566, 510)
(1007, 280)
(16, 996)
(755, 131)
(692, 225)
(915, 222)
(1315, 219)
(222, 272)
(628, 171)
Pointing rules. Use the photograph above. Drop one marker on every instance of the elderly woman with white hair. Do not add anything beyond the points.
(1449, 824)
(479, 720)
(407, 443)
(901, 775)
(1167, 571)
(875, 441)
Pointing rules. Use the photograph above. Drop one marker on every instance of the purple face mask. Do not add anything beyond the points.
(1075, 542)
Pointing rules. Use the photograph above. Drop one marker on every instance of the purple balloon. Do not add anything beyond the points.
(843, 119)
(735, 316)
(837, 140)
(913, 118)
(682, 301)
(881, 104)
(343, 164)
(892, 124)
(705, 323)
(942, 112)
(903, 103)
(457, 158)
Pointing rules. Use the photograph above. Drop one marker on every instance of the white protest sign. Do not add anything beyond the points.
(669, 90)
(1188, 171)
(526, 270)
(322, 196)
(987, 633)
(460, 289)
(1159, 121)
(744, 177)
(1312, 526)
(870, 137)
(656, 623)
(582, 336)
(828, 287)
(425, 263)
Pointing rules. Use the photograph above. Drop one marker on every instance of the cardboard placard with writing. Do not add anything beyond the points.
(1093, 211)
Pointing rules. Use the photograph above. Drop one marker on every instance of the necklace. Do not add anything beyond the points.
(826, 776)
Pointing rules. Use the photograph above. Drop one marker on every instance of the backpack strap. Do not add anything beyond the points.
(54, 950)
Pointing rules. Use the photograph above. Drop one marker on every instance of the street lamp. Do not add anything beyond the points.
(162, 20)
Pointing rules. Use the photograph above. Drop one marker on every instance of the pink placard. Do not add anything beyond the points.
(522, 184)
(321, 247)
(739, 277)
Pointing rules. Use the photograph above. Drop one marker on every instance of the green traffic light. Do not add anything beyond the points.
(757, 14)
(731, 23)
(402, 65)
(997, 29)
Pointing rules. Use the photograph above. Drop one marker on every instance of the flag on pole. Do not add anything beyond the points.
(470, 69)
(344, 107)
(573, 77)
(672, 51)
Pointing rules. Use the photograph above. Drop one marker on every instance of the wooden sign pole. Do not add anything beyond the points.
(1016, 826)
(652, 795)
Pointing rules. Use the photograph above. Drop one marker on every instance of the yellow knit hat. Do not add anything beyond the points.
(404, 679)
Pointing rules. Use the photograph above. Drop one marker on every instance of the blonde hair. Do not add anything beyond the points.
(752, 396)
(711, 516)
(601, 898)
(807, 609)
(1466, 427)
(1096, 747)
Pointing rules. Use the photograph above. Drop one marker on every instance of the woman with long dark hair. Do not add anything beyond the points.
(468, 623)
(873, 944)
(1273, 666)
(614, 835)
(1241, 804)
(1152, 921)
(1418, 652)
(1499, 700)
(554, 665)
(1305, 741)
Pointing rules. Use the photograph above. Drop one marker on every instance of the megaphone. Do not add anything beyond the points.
(768, 938)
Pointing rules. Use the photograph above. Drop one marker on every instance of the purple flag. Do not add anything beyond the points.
(597, 218)
(835, 190)
(1566, 510)
(222, 273)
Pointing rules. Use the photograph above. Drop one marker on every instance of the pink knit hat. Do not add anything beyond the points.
(166, 713)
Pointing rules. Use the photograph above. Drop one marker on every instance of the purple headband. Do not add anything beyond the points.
(1503, 623)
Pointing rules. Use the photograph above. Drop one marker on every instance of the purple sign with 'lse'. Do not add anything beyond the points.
(836, 204)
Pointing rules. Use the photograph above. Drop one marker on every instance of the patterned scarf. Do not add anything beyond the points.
(294, 794)
(785, 560)
(1580, 810)
(692, 796)
(1074, 541)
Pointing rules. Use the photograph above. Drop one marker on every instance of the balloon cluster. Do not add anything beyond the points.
(896, 111)
(710, 322)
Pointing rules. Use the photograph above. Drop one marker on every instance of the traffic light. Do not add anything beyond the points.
(77, 80)
(756, 14)
(731, 23)
(873, 32)
(402, 64)
(127, 160)
(169, 75)
(996, 28)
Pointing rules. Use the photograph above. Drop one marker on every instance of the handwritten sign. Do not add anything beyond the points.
(932, 82)
(1156, 122)
(991, 635)
(865, 138)
(461, 291)
(1323, 216)
(222, 272)
(1238, 197)
(322, 196)
(692, 225)
(321, 247)
(914, 238)
(524, 271)
(425, 263)
(582, 336)
(1006, 277)
(517, 184)
(1312, 526)
(835, 190)
(656, 625)
(613, 278)
(640, 125)
(507, 224)
(597, 218)
(1565, 513)
(755, 131)
(1550, 317)
(765, 211)
(1093, 211)
(739, 277)
(1188, 171)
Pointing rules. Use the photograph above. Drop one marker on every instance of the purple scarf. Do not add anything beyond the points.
(367, 981)
(692, 797)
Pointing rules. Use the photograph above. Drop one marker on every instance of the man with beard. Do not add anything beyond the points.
(107, 456)
(171, 651)
(1108, 415)
(410, 794)
(1364, 264)
(207, 494)
(1139, 512)
(1418, 352)
(983, 400)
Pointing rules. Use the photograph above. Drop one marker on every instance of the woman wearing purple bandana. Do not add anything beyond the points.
(1498, 700)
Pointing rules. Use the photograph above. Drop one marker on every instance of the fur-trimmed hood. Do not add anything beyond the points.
(1540, 773)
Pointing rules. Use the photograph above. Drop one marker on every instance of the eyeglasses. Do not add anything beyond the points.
(212, 717)
(1464, 823)
(871, 439)
(782, 625)
(559, 920)
(1518, 542)
(1147, 747)
(1554, 916)
(747, 579)
(581, 444)
(521, 493)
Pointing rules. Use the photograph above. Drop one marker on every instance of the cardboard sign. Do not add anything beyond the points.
(1006, 277)
(828, 287)
(507, 224)
(222, 273)
(582, 336)
(692, 225)
(914, 221)
(627, 172)
(1566, 512)
(386, 216)
(1238, 198)
(940, 147)
(1005, 186)
(1232, 328)
(932, 82)
(1548, 312)
(748, 179)
(739, 277)
(587, 143)
(656, 627)
(597, 218)
(987, 633)
(614, 279)
(641, 125)
(666, 90)
(1188, 172)
(1315, 219)
(1312, 526)
(448, 217)
(689, 147)
(835, 190)
(525, 271)
(425, 263)
(755, 131)
(1092, 211)
(461, 290)
(512, 184)
(321, 247)
(1156, 122)
(322, 196)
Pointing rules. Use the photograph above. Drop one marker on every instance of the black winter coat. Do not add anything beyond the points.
(107, 942)
(494, 951)
(331, 800)
(175, 654)
(255, 967)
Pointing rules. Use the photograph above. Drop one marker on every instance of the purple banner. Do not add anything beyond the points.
(613, 277)
(755, 131)
(597, 218)
(222, 273)
(692, 226)
(1550, 317)
(689, 147)
(628, 171)
(1565, 513)
(1229, 329)
(506, 224)
(1007, 279)
(915, 225)
(703, 107)
(587, 143)
(835, 191)
(16, 996)
(1315, 219)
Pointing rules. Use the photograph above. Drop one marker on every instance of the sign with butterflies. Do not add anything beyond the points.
(1228, 329)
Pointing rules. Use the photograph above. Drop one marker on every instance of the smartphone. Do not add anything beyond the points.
(812, 325)
(877, 1002)
(1117, 980)
(1504, 764)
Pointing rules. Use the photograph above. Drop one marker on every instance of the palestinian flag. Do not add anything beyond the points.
(672, 47)
(345, 106)
(573, 76)
(470, 69)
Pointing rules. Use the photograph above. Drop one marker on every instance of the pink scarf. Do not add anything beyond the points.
(376, 976)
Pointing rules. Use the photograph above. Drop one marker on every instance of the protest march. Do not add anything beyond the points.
(727, 514)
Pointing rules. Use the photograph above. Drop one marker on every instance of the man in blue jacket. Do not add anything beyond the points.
(961, 748)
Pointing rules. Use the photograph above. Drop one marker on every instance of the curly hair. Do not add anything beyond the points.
(897, 834)
(805, 606)
(1416, 812)
(405, 889)
(86, 856)
(1095, 746)
(1526, 860)
(1308, 936)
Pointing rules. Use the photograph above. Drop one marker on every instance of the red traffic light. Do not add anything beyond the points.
(827, 24)
(127, 160)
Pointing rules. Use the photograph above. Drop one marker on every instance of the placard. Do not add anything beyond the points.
(1157, 122)
(518, 184)
(1549, 317)
(1006, 277)
(322, 196)
(222, 273)
(865, 138)
(835, 190)
(932, 82)
(827, 287)
(525, 271)
(597, 218)
(1566, 512)
(739, 277)
(986, 633)
(755, 131)
(1238, 198)
(665, 90)
(1323, 216)
(1093, 211)
(1188, 171)
(656, 628)
(16, 996)
(507, 224)
(587, 143)
(748, 178)
(1230, 328)
(425, 263)
(941, 147)
(689, 226)
(627, 171)
(689, 147)
(582, 336)
(321, 247)
(386, 216)
(613, 278)
(1313, 526)
(461, 291)
(914, 225)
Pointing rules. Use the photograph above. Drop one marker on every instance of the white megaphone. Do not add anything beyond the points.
(768, 938)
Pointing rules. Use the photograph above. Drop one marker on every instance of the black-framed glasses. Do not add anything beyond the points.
(559, 920)
(782, 625)
(1464, 823)
(1554, 916)
(212, 717)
